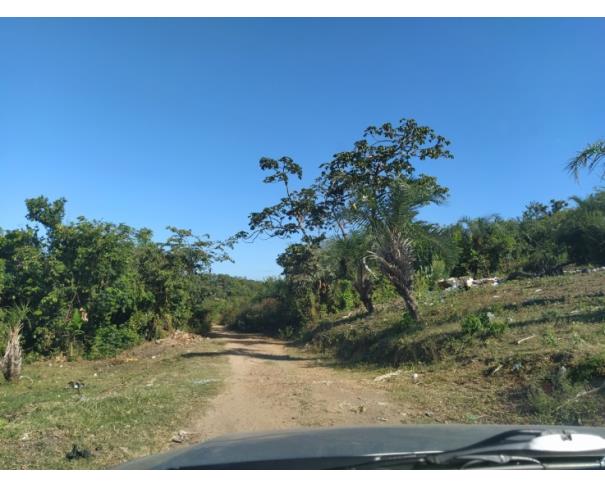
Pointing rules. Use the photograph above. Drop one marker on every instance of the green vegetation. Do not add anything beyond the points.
(91, 288)
(360, 241)
(483, 324)
(130, 406)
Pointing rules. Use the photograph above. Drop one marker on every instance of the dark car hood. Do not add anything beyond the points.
(325, 443)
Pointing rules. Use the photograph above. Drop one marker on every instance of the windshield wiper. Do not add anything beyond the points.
(523, 448)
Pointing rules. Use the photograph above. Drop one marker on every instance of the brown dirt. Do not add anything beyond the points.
(274, 386)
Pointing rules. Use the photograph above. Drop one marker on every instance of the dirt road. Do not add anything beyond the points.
(273, 386)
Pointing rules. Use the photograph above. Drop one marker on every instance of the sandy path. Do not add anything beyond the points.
(273, 386)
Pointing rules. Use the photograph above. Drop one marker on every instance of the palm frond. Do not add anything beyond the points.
(589, 158)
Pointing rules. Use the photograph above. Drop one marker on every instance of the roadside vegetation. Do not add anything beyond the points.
(92, 289)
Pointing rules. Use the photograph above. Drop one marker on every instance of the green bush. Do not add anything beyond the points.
(549, 338)
(345, 296)
(496, 328)
(588, 368)
(200, 321)
(384, 292)
(407, 322)
(287, 333)
(483, 324)
(559, 404)
(111, 340)
(472, 325)
(268, 315)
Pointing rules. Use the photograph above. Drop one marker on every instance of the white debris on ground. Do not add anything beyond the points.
(180, 437)
(584, 271)
(205, 381)
(467, 282)
(384, 377)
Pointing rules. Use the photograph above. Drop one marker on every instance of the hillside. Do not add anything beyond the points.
(543, 343)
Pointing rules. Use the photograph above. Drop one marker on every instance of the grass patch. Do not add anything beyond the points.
(130, 406)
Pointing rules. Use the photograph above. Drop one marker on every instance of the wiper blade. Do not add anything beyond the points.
(528, 443)
(520, 448)
(476, 460)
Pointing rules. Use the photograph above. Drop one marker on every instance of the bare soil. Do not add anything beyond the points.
(275, 386)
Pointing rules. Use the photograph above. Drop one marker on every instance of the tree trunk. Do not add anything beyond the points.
(11, 362)
(366, 299)
(364, 286)
(410, 302)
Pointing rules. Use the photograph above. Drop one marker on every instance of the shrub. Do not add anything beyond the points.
(110, 340)
(142, 323)
(268, 315)
(287, 333)
(553, 401)
(588, 368)
(472, 325)
(496, 328)
(201, 320)
(384, 292)
(345, 296)
(483, 324)
(549, 338)
(407, 322)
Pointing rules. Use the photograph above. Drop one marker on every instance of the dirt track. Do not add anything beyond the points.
(273, 386)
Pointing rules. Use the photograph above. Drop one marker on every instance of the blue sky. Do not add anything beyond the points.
(162, 122)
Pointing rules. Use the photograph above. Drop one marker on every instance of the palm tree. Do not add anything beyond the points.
(589, 158)
(399, 237)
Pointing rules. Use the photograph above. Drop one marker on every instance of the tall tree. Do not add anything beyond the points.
(355, 184)
(297, 215)
(298, 212)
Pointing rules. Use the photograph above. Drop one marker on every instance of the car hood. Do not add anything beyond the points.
(325, 443)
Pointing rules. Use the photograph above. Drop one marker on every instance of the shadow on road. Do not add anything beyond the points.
(243, 353)
(246, 338)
